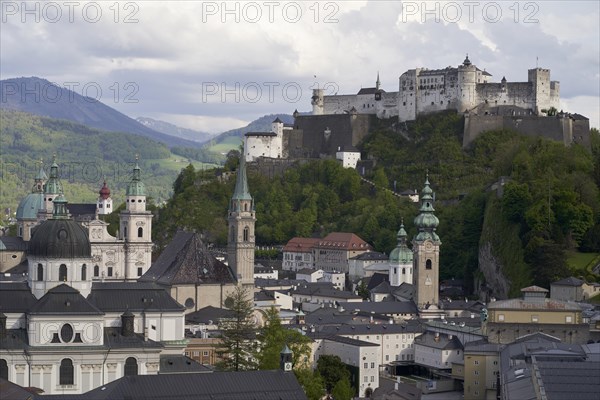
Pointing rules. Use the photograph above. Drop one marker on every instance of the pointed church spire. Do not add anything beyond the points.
(378, 83)
(241, 191)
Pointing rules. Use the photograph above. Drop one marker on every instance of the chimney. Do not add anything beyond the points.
(2, 325)
(127, 323)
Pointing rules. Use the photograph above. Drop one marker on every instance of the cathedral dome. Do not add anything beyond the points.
(401, 254)
(29, 206)
(60, 237)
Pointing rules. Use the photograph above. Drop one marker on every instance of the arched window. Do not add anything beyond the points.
(131, 367)
(403, 271)
(96, 270)
(125, 232)
(66, 372)
(428, 264)
(395, 270)
(245, 206)
(232, 234)
(83, 272)
(62, 273)
(140, 232)
(246, 233)
(40, 272)
(3, 369)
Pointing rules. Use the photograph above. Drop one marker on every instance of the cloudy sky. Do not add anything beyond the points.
(214, 66)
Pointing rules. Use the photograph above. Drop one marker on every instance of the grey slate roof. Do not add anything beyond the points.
(309, 289)
(12, 243)
(352, 342)
(15, 339)
(570, 281)
(15, 297)
(174, 364)
(135, 296)
(245, 385)
(64, 300)
(370, 256)
(373, 329)
(383, 307)
(443, 341)
(81, 209)
(333, 316)
(186, 260)
(13, 391)
(570, 380)
(114, 340)
(208, 314)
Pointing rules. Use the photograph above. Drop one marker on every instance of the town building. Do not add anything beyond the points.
(510, 319)
(573, 289)
(298, 254)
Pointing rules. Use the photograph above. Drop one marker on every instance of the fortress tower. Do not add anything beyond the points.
(318, 101)
(467, 84)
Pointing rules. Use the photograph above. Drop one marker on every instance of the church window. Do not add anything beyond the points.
(83, 272)
(99, 205)
(108, 205)
(109, 271)
(232, 234)
(432, 103)
(62, 273)
(245, 206)
(395, 270)
(125, 232)
(140, 271)
(246, 234)
(40, 272)
(66, 333)
(428, 264)
(3, 369)
(96, 270)
(66, 372)
(131, 367)
(403, 271)
(140, 232)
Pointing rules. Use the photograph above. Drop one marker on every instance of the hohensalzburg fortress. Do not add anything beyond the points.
(461, 88)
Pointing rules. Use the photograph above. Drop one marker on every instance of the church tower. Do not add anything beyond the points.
(136, 229)
(104, 202)
(52, 188)
(401, 261)
(30, 206)
(240, 243)
(426, 252)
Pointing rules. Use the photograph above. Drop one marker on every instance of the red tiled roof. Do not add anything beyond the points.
(343, 240)
(301, 245)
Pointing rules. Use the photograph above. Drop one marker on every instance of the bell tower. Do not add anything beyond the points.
(241, 218)
(426, 252)
(136, 229)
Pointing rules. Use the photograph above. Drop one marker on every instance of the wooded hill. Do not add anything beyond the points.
(550, 205)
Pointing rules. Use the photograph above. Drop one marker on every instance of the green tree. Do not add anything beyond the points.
(238, 343)
(363, 291)
(311, 382)
(515, 201)
(342, 390)
(272, 338)
(332, 369)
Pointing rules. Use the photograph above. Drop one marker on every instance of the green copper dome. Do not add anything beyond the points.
(401, 254)
(136, 186)
(30, 205)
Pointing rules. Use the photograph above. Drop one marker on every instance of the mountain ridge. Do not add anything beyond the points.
(41, 97)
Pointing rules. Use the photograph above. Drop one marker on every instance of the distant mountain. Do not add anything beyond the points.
(174, 130)
(41, 97)
(233, 138)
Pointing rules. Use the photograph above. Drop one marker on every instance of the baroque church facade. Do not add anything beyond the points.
(125, 257)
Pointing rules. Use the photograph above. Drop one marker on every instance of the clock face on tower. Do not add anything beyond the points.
(287, 366)
(428, 246)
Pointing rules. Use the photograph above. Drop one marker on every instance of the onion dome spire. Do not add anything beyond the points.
(104, 191)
